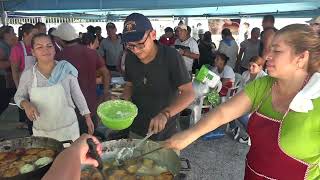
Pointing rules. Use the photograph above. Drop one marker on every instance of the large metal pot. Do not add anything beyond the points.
(164, 157)
(32, 142)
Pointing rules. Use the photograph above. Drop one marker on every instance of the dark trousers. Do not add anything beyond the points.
(112, 68)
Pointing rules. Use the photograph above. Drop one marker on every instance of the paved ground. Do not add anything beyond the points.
(220, 159)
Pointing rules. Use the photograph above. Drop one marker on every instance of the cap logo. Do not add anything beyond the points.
(130, 26)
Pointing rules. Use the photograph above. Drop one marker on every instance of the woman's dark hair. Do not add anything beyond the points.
(5, 30)
(223, 57)
(258, 60)
(38, 36)
(226, 32)
(25, 28)
(87, 39)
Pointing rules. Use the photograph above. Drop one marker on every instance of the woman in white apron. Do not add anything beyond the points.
(47, 92)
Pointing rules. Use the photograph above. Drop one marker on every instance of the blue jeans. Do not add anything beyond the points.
(243, 120)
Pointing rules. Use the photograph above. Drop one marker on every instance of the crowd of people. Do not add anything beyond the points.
(52, 77)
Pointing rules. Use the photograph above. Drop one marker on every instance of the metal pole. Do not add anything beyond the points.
(3, 14)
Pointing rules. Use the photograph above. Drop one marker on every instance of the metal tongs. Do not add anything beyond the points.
(127, 152)
(94, 154)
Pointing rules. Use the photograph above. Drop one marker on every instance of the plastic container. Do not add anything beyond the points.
(208, 77)
(216, 134)
(117, 114)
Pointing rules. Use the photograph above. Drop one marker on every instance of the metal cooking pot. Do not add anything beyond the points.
(164, 157)
(32, 142)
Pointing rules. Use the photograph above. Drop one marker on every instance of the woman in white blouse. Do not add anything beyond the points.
(255, 71)
(48, 91)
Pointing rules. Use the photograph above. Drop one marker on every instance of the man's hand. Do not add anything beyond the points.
(181, 52)
(158, 123)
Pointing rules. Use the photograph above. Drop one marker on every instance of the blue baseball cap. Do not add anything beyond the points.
(135, 27)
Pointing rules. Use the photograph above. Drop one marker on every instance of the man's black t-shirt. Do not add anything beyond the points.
(155, 86)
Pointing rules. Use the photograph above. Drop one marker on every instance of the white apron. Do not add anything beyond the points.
(29, 61)
(57, 119)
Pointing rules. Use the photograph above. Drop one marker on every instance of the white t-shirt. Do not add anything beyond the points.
(193, 45)
(250, 49)
(230, 51)
(245, 78)
(227, 73)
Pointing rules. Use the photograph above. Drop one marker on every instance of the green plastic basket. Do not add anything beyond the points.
(117, 114)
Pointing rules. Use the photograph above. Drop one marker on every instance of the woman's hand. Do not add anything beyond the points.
(180, 140)
(81, 147)
(31, 110)
(89, 124)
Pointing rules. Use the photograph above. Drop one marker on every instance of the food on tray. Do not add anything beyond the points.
(17, 164)
(132, 169)
(165, 176)
(96, 175)
(43, 161)
(20, 151)
(29, 158)
(143, 169)
(47, 153)
(27, 168)
(11, 172)
(148, 178)
(33, 151)
(85, 175)
(3, 155)
(106, 166)
(148, 163)
(23, 160)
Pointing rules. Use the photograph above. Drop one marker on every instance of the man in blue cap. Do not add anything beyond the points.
(157, 80)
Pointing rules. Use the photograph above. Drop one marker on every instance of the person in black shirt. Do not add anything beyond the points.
(157, 80)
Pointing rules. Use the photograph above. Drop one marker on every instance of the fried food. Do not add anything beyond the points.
(29, 158)
(10, 157)
(33, 151)
(85, 175)
(3, 167)
(43, 161)
(17, 164)
(20, 151)
(120, 172)
(11, 172)
(130, 177)
(132, 169)
(47, 153)
(106, 166)
(3, 155)
(26, 168)
(165, 176)
(148, 178)
(148, 163)
(96, 176)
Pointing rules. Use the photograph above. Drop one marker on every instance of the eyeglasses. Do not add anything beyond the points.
(138, 45)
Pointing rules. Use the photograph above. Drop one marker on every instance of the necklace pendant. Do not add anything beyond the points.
(144, 80)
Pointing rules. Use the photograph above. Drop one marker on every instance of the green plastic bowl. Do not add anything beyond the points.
(117, 114)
